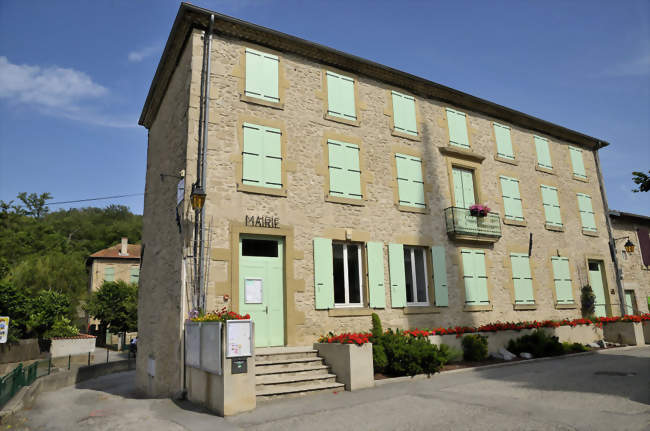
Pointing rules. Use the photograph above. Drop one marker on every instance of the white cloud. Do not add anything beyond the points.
(637, 67)
(137, 56)
(56, 91)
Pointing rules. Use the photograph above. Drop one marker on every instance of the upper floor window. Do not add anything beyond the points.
(522, 278)
(404, 117)
(577, 163)
(135, 274)
(262, 75)
(262, 156)
(340, 96)
(551, 205)
(562, 280)
(543, 153)
(586, 212)
(511, 198)
(109, 273)
(464, 194)
(410, 183)
(457, 124)
(475, 277)
(344, 170)
(504, 143)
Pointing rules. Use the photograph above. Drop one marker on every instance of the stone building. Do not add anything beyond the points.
(634, 265)
(337, 187)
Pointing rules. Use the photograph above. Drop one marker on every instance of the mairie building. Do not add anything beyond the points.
(336, 187)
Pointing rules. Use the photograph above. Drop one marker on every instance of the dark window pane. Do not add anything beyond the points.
(339, 276)
(593, 266)
(259, 247)
(408, 272)
(353, 274)
(420, 275)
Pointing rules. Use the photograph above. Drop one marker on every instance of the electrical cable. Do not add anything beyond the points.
(94, 199)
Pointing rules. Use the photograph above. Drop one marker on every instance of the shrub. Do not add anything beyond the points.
(377, 330)
(407, 355)
(539, 344)
(61, 328)
(451, 354)
(587, 301)
(475, 347)
(574, 347)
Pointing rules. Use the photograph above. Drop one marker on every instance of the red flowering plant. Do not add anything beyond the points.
(217, 316)
(346, 338)
(479, 210)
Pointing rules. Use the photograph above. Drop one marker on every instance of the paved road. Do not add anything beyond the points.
(605, 391)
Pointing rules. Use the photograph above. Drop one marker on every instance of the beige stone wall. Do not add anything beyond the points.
(636, 276)
(160, 312)
(122, 271)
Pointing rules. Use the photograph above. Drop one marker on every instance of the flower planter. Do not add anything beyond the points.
(68, 346)
(646, 331)
(624, 333)
(351, 363)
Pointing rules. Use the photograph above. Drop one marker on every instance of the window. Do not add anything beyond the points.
(259, 247)
(475, 277)
(410, 184)
(262, 156)
(522, 278)
(109, 273)
(457, 124)
(415, 270)
(543, 153)
(347, 274)
(345, 175)
(511, 198)
(340, 96)
(464, 196)
(504, 144)
(577, 163)
(404, 114)
(551, 206)
(262, 75)
(562, 279)
(586, 212)
(135, 274)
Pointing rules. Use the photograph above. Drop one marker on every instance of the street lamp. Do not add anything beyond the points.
(629, 246)
(197, 197)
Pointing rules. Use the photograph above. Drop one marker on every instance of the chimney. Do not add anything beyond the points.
(124, 250)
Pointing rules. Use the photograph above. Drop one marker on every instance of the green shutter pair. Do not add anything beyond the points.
(404, 113)
(504, 143)
(457, 124)
(475, 277)
(340, 96)
(262, 75)
(464, 196)
(511, 198)
(543, 153)
(135, 275)
(551, 206)
(577, 162)
(410, 183)
(562, 279)
(344, 171)
(109, 274)
(586, 212)
(522, 278)
(262, 156)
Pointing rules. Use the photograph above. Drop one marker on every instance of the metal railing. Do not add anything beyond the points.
(21, 376)
(460, 221)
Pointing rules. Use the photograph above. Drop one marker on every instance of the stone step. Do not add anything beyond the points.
(291, 368)
(283, 391)
(284, 355)
(291, 373)
(263, 382)
(286, 363)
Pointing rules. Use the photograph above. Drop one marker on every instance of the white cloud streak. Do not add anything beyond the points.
(138, 56)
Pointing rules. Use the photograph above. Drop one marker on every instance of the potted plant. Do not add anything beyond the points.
(479, 210)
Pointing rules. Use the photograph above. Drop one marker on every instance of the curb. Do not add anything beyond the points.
(503, 364)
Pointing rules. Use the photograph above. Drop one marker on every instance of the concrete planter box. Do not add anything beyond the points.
(72, 346)
(351, 363)
(646, 330)
(624, 333)
(583, 334)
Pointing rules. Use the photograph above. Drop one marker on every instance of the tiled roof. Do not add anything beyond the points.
(114, 252)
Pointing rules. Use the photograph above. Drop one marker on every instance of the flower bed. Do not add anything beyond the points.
(346, 338)
(216, 316)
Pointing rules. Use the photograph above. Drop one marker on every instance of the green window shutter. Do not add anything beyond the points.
(376, 289)
(109, 274)
(410, 183)
(323, 274)
(551, 205)
(522, 278)
(504, 143)
(475, 277)
(511, 198)
(397, 275)
(135, 275)
(272, 161)
(463, 187)
(440, 276)
(459, 196)
(262, 156)
(345, 176)
(543, 153)
(562, 279)
(586, 212)
(404, 113)
(457, 128)
(577, 162)
(262, 75)
(481, 277)
(340, 96)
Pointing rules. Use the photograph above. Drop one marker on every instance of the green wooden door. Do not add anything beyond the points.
(261, 287)
(464, 198)
(596, 282)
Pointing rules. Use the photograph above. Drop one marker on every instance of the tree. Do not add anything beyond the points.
(35, 204)
(642, 180)
(115, 305)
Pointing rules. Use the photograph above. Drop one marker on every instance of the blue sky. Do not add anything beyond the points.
(74, 76)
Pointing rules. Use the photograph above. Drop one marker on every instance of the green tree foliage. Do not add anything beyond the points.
(642, 180)
(115, 305)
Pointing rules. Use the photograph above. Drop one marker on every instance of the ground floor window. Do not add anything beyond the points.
(348, 275)
(415, 270)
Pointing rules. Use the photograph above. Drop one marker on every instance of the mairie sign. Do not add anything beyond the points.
(263, 221)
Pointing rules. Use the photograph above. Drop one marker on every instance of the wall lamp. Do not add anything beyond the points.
(629, 245)
(197, 197)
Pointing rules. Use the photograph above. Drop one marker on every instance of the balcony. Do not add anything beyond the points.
(461, 225)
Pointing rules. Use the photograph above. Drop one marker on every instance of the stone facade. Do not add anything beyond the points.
(305, 212)
(635, 275)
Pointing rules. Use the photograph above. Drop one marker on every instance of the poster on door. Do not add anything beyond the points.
(4, 329)
(253, 291)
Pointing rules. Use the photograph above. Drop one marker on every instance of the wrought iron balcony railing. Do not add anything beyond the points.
(461, 224)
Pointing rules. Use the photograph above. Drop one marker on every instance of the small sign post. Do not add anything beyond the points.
(4, 329)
